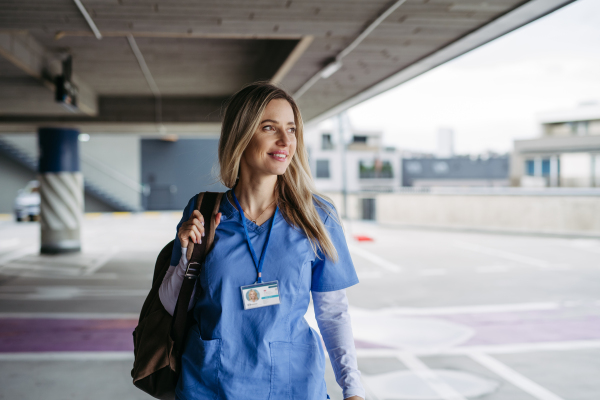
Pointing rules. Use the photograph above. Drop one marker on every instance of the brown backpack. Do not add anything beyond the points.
(158, 339)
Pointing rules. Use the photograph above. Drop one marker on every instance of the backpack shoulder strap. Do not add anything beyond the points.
(208, 204)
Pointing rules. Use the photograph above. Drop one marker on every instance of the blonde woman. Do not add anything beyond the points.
(277, 236)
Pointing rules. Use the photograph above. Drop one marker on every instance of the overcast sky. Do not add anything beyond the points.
(490, 96)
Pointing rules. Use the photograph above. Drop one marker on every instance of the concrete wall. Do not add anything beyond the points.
(508, 213)
(13, 176)
(111, 162)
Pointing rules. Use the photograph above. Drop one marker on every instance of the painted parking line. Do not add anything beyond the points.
(512, 376)
(513, 348)
(101, 262)
(374, 258)
(506, 255)
(418, 367)
(13, 255)
(476, 309)
(46, 315)
(69, 356)
(51, 293)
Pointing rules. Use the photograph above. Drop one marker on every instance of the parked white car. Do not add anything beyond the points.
(27, 202)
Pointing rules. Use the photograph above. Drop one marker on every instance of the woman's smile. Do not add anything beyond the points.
(280, 156)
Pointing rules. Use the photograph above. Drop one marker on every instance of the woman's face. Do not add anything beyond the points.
(252, 295)
(274, 142)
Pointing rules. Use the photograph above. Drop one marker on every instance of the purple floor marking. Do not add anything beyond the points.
(43, 335)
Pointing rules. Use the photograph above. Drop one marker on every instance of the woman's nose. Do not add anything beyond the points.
(284, 138)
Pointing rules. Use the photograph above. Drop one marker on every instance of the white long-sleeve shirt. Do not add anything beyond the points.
(331, 312)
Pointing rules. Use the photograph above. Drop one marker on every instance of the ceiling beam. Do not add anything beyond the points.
(180, 35)
(127, 111)
(291, 59)
(26, 53)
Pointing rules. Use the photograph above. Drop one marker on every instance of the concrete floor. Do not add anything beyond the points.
(437, 315)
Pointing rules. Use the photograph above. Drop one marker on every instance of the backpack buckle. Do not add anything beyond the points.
(193, 270)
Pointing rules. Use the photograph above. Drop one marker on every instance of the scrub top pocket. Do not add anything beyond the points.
(297, 372)
(200, 366)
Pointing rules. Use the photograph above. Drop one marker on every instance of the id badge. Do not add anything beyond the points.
(260, 295)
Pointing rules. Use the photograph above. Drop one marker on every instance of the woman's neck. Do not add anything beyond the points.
(255, 194)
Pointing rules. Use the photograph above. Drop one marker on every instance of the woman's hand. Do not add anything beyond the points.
(193, 228)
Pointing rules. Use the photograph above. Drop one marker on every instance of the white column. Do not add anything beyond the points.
(537, 166)
(554, 181)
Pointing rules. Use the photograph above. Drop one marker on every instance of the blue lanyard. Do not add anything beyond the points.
(257, 263)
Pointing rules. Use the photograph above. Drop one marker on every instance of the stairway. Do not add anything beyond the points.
(27, 160)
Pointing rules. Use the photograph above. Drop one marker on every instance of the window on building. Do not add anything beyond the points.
(530, 167)
(326, 142)
(546, 167)
(375, 169)
(441, 167)
(579, 128)
(359, 139)
(414, 167)
(532, 170)
(323, 169)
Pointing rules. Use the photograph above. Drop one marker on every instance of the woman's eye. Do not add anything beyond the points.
(268, 128)
(292, 130)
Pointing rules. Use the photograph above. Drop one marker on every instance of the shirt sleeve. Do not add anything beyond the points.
(168, 292)
(328, 275)
(331, 313)
(187, 212)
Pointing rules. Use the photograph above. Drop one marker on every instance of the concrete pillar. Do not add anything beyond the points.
(537, 166)
(61, 190)
(554, 171)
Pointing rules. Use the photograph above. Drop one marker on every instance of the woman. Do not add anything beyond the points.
(276, 236)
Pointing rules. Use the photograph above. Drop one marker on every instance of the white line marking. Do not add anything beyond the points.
(101, 261)
(514, 377)
(49, 275)
(9, 243)
(502, 254)
(69, 356)
(34, 315)
(17, 254)
(419, 368)
(479, 309)
(513, 348)
(65, 293)
(375, 259)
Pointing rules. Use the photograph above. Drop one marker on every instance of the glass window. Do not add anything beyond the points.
(414, 167)
(376, 169)
(546, 167)
(529, 167)
(441, 167)
(323, 169)
(326, 142)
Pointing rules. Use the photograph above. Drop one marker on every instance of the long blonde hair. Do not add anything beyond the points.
(295, 188)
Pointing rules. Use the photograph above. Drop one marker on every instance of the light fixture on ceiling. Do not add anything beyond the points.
(331, 69)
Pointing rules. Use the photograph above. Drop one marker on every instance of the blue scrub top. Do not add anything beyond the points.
(269, 352)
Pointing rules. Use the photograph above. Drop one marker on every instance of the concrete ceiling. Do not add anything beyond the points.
(199, 52)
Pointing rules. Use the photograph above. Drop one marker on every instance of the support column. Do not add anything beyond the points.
(61, 190)
(554, 171)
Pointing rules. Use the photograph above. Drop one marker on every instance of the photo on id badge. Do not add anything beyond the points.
(260, 295)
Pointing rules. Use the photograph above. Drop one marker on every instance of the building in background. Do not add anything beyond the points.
(459, 171)
(567, 153)
(362, 167)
